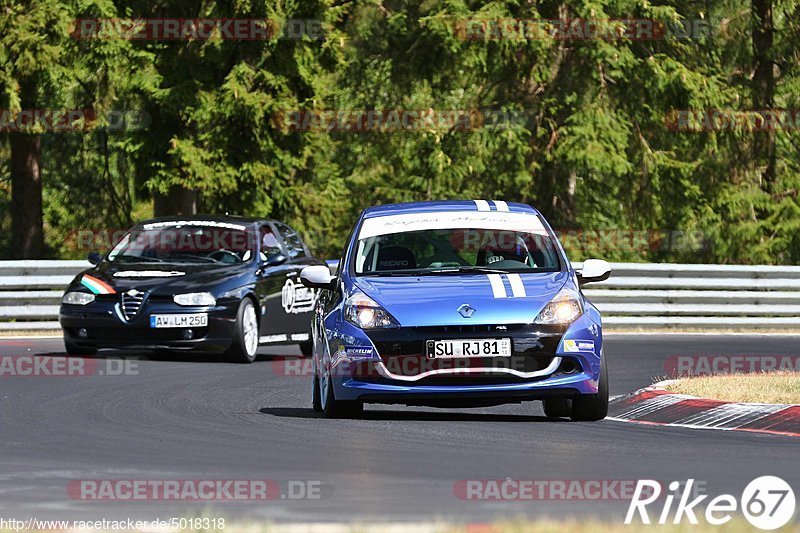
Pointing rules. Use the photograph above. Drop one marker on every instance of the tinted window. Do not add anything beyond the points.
(195, 241)
(431, 250)
(294, 244)
(269, 242)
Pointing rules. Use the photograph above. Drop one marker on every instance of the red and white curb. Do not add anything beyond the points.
(657, 406)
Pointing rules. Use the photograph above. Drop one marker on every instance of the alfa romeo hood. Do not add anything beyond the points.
(164, 278)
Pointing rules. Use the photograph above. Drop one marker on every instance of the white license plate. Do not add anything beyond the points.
(196, 320)
(469, 348)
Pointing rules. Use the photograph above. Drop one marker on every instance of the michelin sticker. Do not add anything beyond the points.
(358, 351)
(296, 298)
(578, 346)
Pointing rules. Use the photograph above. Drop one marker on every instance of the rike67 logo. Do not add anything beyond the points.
(767, 502)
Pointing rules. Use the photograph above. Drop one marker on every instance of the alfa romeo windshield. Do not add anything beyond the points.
(194, 242)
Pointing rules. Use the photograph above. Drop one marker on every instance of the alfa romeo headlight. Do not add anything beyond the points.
(77, 298)
(564, 308)
(195, 298)
(366, 313)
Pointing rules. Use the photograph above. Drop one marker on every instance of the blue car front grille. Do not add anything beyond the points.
(403, 350)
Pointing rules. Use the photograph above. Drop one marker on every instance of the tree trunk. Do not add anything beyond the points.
(26, 197)
(764, 87)
(27, 239)
(178, 201)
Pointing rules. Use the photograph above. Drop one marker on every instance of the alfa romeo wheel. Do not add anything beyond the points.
(245, 341)
(316, 400)
(307, 348)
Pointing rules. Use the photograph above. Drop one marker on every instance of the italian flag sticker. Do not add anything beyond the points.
(97, 286)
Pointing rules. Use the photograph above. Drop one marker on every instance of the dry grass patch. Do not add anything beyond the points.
(768, 387)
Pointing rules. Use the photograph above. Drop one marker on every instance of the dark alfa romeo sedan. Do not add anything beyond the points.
(207, 284)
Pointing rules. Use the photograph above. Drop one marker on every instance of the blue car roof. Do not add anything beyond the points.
(444, 205)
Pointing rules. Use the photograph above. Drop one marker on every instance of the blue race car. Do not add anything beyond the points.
(457, 304)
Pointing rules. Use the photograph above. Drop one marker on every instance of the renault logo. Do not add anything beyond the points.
(466, 310)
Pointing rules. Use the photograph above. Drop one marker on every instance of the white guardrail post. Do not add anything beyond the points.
(637, 296)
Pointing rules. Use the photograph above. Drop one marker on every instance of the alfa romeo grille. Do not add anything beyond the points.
(131, 303)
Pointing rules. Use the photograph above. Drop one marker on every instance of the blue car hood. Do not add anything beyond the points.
(434, 300)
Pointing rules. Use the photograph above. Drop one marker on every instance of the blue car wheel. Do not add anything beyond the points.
(333, 408)
(593, 407)
(557, 407)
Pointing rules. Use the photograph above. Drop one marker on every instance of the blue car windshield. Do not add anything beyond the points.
(195, 242)
(458, 250)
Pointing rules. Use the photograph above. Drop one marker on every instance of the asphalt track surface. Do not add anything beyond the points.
(198, 419)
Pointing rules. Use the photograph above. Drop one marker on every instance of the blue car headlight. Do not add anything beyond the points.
(364, 312)
(564, 308)
(195, 298)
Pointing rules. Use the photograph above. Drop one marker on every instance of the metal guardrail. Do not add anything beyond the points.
(30, 292)
(638, 295)
(679, 296)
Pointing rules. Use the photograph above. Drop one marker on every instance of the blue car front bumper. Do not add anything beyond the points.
(390, 366)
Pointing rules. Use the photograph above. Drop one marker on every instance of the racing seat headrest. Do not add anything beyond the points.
(491, 254)
(396, 258)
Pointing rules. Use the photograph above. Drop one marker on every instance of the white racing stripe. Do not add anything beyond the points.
(517, 288)
(498, 289)
(501, 205)
(482, 205)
